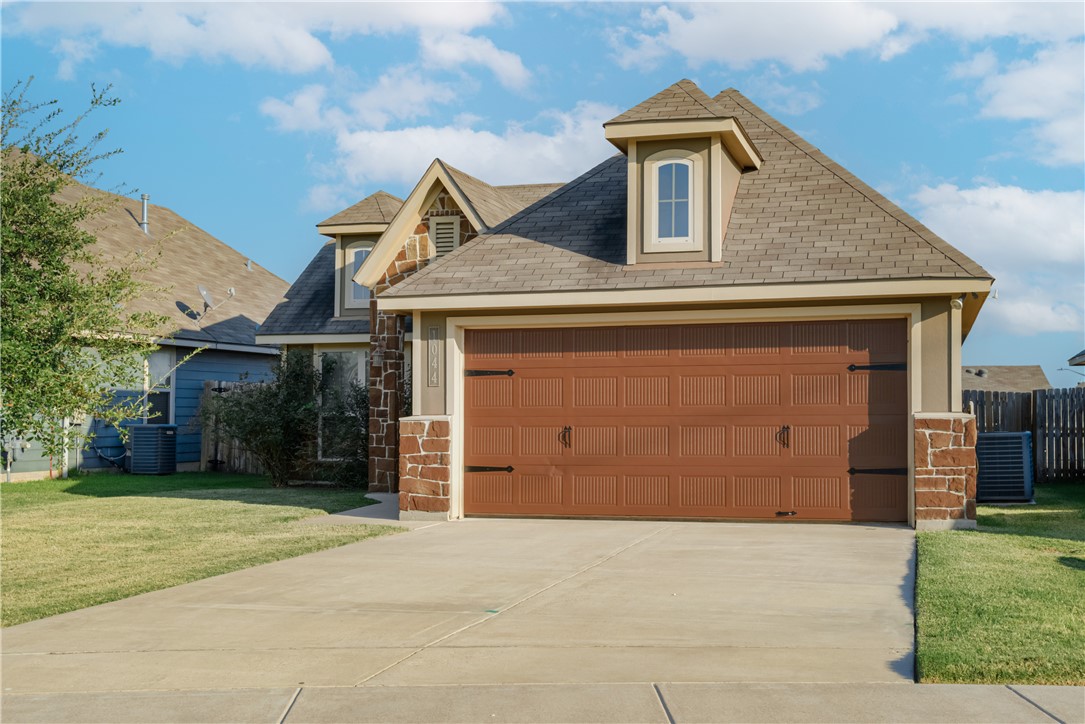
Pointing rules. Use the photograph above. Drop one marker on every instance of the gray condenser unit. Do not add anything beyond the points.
(152, 449)
(1005, 467)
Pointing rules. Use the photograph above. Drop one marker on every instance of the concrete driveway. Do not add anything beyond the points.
(496, 602)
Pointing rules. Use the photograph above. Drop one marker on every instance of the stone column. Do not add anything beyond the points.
(384, 378)
(945, 471)
(425, 467)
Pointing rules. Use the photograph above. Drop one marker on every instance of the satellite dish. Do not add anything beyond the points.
(208, 301)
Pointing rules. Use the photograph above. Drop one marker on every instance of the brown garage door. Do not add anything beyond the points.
(803, 420)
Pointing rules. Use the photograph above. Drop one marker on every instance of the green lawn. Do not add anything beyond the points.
(69, 544)
(1006, 603)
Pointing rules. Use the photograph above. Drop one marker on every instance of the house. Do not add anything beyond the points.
(328, 313)
(1004, 378)
(222, 336)
(716, 322)
(1078, 359)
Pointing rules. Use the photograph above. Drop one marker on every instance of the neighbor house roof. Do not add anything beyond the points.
(799, 218)
(1077, 359)
(1006, 378)
(309, 306)
(377, 208)
(183, 256)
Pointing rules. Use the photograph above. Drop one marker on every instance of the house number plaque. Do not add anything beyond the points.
(433, 352)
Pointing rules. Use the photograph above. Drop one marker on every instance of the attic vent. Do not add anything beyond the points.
(445, 233)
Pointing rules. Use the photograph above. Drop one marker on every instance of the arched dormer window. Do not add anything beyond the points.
(357, 295)
(674, 201)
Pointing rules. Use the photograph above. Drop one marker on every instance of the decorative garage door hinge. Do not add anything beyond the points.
(899, 367)
(877, 471)
(488, 469)
(487, 373)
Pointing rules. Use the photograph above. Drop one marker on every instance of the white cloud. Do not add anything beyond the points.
(1033, 242)
(302, 111)
(1048, 90)
(774, 94)
(569, 147)
(72, 52)
(803, 36)
(282, 36)
(451, 50)
(979, 65)
(402, 93)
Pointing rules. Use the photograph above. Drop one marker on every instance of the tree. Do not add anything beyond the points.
(66, 335)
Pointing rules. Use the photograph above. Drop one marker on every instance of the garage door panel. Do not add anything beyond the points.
(716, 420)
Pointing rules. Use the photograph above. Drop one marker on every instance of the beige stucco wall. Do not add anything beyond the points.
(935, 347)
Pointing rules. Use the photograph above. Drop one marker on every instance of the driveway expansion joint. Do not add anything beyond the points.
(662, 703)
(1030, 701)
(492, 616)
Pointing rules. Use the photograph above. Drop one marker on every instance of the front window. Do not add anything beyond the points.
(343, 402)
(357, 295)
(158, 386)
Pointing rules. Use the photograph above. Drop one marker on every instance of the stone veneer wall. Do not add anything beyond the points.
(425, 468)
(388, 336)
(945, 471)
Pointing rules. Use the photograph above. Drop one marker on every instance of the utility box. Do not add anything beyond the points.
(152, 449)
(1005, 467)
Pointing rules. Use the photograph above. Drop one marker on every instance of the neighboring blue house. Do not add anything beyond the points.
(223, 336)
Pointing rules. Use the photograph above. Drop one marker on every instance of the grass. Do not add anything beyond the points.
(69, 544)
(1006, 603)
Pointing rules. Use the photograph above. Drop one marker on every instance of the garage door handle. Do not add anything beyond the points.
(784, 436)
(566, 436)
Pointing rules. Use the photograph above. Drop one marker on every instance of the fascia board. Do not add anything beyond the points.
(735, 139)
(741, 293)
(332, 229)
(313, 338)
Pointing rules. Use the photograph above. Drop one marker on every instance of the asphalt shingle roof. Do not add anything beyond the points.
(799, 218)
(681, 101)
(1006, 378)
(183, 256)
(309, 306)
(377, 208)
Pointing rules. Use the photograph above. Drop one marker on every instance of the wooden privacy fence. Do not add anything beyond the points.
(1056, 419)
(221, 453)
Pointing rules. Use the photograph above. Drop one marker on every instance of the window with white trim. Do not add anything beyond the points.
(444, 233)
(673, 202)
(357, 295)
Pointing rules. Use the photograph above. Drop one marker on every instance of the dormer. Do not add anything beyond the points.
(685, 155)
(356, 231)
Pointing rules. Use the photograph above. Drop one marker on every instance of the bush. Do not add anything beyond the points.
(275, 421)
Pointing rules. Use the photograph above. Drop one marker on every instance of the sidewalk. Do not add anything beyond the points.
(635, 702)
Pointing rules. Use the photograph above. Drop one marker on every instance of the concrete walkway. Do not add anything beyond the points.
(519, 620)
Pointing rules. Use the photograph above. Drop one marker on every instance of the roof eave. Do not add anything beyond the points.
(331, 230)
(734, 136)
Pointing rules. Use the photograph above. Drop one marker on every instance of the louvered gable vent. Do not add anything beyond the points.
(445, 234)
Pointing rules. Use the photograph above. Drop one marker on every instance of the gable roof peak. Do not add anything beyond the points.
(377, 208)
(679, 101)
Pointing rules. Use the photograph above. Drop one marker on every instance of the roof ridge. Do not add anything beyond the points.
(714, 111)
(853, 181)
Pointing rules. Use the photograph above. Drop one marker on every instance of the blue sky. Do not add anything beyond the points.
(255, 121)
